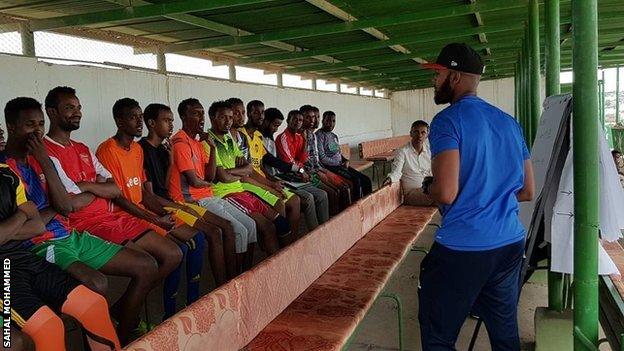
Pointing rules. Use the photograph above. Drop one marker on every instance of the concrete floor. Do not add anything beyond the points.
(379, 330)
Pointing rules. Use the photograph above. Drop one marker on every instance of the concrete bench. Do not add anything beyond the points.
(611, 297)
(382, 151)
(358, 165)
(346, 261)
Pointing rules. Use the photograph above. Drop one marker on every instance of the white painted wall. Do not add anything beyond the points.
(359, 118)
(411, 105)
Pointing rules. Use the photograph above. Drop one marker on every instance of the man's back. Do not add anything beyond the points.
(492, 152)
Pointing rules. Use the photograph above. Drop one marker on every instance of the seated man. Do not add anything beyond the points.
(332, 159)
(157, 163)
(123, 157)
(84, 173)
(191, 175)
(272, 192)
(231, 168)
(40, 290)
(313, 163)
(412, 163)
(292, 149)
(79, 253)
(316, 204)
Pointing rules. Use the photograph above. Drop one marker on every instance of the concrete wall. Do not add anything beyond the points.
(411, 105)
(359, 118)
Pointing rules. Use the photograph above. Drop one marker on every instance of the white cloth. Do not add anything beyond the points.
(410, 167)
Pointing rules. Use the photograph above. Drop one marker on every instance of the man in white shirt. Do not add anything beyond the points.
(412, 163)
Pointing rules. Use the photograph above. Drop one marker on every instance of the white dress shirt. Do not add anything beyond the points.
(410, 167)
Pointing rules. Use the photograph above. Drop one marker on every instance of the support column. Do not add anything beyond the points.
(338, 87)
(161, 62)
(534, 64)
(586, 175)
(617, 95)
(516, 91)
(313, 83)
(553, 87)
(280, 80)
(602, 100)
(232, 71)
(28, 40)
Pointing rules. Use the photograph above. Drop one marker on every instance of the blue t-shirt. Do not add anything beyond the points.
(492, 152)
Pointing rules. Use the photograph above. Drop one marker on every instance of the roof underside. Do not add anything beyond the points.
(370, 43)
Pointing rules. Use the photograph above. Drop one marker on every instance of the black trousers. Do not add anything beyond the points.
(361, 183)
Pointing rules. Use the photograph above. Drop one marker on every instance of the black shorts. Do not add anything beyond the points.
(34, 282)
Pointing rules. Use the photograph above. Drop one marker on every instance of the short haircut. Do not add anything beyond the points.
(271, 114)
(152, 111)
(53, 97)
(328, 113)
(216, 106)
(420, 123)
(233, 101)
(290, 114)
(254, 103)
(122, 104)
(305, 108)
(613, 152)
(13, 108)
(184, 105)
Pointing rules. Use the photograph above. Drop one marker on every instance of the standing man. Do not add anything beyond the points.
(332, 159)
(411, 164)
(481, 171)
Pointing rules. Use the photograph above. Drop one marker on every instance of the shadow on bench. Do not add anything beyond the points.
(315, 292)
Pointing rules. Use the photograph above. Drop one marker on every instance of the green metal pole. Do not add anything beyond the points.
(516, 91)
(553, 87)
(602, 101)
(617, 94)
(586, 175)
(527, 92)
(534, 64)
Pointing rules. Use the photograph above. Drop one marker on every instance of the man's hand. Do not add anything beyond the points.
(29, 209)
(277, 185)
(345, 164)
(203, 136)
(426, 184)
(241, 161)
(305, 177)
(165, 221)
(35, 147)
(387, 181)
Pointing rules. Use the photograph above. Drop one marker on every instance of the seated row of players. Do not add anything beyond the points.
(142, 209)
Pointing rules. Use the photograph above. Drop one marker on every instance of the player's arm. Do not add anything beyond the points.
(211, 166)
(528, 189)
(445, 169)
(106, 189)
(224, 176)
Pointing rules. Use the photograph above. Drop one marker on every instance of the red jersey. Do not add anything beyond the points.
(80, 165)
(291, 147)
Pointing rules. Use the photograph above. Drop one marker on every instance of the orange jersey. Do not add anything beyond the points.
(126, 166)
(188, 154)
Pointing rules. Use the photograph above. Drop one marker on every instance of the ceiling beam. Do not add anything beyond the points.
(404, 39)
(322, 29)
(200, 22)
(347, 17)
(383, 59)
(136, 12)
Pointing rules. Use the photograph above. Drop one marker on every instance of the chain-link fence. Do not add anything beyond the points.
(61, 46)
(10, 39)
